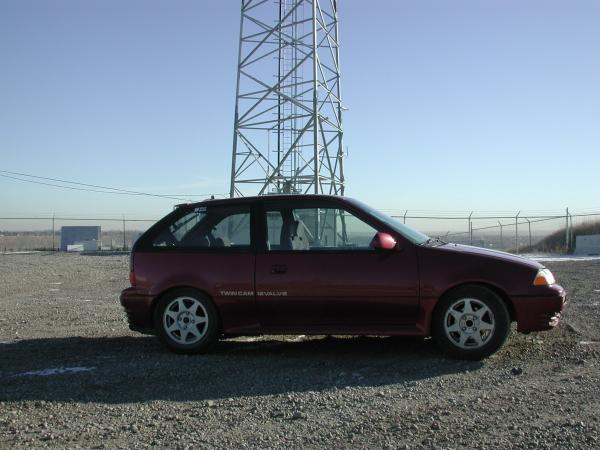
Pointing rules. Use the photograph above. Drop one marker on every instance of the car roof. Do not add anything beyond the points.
(255, 198)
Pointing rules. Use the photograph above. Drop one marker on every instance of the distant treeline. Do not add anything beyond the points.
(556, 242)
(29, 233)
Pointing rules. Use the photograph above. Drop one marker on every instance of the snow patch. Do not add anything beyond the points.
(21, 253)
(299, 338)
(54, 371)
(251, 338)
(558, 258)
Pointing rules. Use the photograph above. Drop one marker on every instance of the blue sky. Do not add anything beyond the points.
(453, 105)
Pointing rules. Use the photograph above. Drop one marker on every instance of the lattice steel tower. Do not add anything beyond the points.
(288, 113)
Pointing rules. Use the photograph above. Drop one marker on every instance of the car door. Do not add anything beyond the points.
(318, 269)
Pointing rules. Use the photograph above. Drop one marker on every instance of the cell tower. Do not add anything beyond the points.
(288, 113)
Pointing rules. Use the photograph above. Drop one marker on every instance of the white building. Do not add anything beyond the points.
(587, 244)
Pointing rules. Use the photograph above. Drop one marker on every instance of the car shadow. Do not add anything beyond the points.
(138, 369)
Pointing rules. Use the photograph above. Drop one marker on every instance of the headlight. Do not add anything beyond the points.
(544, 278)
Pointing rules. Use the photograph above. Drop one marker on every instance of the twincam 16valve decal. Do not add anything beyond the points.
(251, 293)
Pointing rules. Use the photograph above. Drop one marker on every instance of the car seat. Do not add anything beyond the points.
(299, 237)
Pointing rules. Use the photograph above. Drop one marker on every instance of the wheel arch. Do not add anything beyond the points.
(492, 287)
(171, 289)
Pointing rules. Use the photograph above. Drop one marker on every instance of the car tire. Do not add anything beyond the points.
(186, 321)
(471, 322)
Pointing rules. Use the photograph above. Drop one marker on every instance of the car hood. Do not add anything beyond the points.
(494, 254)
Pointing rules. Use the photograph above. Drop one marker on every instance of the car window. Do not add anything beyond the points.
(274, 224)
(209, 227)
(409, 233)
(316, 229)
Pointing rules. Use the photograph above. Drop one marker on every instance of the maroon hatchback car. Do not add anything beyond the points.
(312, 264)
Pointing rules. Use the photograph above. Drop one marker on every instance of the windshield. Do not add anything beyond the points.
(414, 236)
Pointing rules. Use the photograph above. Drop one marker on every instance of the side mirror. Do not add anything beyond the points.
(383, 241)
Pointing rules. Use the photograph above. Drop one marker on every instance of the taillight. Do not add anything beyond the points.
(131, 272)
(132, 278)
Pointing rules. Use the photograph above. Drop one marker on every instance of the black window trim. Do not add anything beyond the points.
(144, 243)
(307, 203)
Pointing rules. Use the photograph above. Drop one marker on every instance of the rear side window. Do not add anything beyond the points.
(214, 227)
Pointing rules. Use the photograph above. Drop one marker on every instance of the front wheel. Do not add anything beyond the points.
(471, 323)
(186, 321)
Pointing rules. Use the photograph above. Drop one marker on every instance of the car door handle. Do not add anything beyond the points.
(278, 269)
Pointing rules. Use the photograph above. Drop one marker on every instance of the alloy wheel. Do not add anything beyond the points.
(469, 323)
(185, 320)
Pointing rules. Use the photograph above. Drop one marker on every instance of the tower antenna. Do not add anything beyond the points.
(287, 135)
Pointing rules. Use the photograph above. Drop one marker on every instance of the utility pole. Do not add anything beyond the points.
(501, 237)
(53, 244)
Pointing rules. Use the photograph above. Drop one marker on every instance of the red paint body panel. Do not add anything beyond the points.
(386, 292)
(138, 307)
(220, 276)
(357, 289)
(542, 311)
(450, 265)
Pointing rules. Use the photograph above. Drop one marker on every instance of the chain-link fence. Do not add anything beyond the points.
(517, 233)
(45, 233)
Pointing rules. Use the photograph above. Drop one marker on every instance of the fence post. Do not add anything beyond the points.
(470, 229)
(517, 232)
(571, 233)
(567, 230)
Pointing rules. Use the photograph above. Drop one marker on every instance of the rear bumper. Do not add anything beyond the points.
(539, 313)
(138, 307)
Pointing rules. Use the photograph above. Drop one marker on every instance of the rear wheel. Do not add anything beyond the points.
(471, 322)
(186, 321)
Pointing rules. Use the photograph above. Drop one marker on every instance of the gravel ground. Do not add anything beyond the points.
(72, 375)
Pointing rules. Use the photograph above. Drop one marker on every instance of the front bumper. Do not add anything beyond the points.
(539, 313)
(138, 307)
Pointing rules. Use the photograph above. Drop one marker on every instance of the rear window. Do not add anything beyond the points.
(215, 227)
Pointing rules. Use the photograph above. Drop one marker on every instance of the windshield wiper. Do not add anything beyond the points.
(431, 241)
